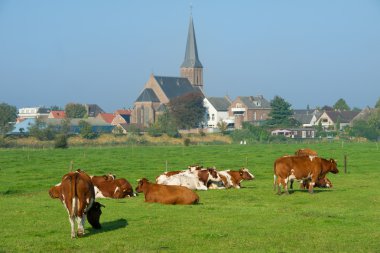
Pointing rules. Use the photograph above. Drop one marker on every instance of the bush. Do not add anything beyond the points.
(60, 141)
(186, 142)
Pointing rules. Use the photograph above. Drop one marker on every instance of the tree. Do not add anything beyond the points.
(341, 105)
(73, 110)
(86, 130)
(187, 110)
(377, 103)
(8, 115)
(222, 126)
(281, 112)
(41, 131)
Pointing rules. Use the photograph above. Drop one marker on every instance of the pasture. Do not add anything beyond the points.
(345, 218)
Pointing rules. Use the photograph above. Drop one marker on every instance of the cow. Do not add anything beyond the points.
(166, 194)
(108, 186)
(195, 178)
(306, 152)
(76, 192)
(321, 183)
(301, 168)
(232, 178)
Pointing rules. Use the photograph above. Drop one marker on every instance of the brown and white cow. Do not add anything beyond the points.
(321, 183)
(76, 192)
(232, 178)
(108, 186)
(166, 194)
(301, 168)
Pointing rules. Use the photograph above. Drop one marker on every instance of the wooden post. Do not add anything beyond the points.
(345, 164)
(166, 166)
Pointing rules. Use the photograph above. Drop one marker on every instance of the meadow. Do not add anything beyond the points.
(345, 218)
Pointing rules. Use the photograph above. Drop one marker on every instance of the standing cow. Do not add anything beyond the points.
(76, 192)
(301, 168)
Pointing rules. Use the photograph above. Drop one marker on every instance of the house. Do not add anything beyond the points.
(249, 109)
(330, 119)
(57, 115)
(217, 111)
(160, 90)
(296, 133)
(122, 117)
(33, 112)
(307, 118)
(365, 114)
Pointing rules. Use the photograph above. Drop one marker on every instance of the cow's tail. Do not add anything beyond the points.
(74, 200)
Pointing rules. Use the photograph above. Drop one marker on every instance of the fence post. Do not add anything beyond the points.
(345, 164)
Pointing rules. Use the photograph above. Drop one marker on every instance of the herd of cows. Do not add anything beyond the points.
(78, 190)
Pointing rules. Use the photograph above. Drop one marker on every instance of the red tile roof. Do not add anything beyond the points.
(57, 114)
(107, 117)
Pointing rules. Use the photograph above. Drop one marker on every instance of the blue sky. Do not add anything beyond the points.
(308, 52)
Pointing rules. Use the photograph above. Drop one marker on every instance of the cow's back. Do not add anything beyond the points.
(299, 166)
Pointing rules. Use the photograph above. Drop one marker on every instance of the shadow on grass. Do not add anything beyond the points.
(109, 226)
(315, 191)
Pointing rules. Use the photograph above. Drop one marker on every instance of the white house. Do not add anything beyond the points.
(217, 110)
(33, 112)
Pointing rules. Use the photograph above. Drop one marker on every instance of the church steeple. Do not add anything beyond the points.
(192, 67)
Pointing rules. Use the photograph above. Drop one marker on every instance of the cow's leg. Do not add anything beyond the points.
(80, 221)
(291, 184)
(279, 183)
(274, 182)
(72, 223)
(311, 187)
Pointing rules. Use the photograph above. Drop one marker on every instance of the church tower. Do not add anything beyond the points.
(191, 67)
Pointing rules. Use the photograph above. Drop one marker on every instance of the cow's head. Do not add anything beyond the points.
(55, 191)
(333, 166)
(93, 215)
(141, 184)
(245, 174)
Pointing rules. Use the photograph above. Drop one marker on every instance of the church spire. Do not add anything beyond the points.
(192, 67)
(191, 54)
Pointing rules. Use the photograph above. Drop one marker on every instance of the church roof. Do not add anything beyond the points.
(175, 86)
(191, 56)
(147, 95)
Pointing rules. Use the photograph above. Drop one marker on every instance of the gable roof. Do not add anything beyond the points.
(147, 95)
(107, 117)
(343, 116)
(258, 102)
(123, 112)
(175, 86)
(219, 103)
(304, 118)
(93, 110)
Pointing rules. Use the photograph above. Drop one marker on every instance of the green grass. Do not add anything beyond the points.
(252, 219)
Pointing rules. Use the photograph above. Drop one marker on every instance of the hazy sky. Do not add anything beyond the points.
(308, 52)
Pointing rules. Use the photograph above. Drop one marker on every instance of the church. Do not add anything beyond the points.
(159, 90)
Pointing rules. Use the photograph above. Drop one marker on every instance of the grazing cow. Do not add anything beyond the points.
(301, 168)
(108, 186)
(232, 178)
(166, 194)
(195, 178)
(76, 192)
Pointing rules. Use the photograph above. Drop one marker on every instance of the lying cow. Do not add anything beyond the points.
(231, 179)
(76, 192)
(166, 194)
(195, 178)
(301, 168)
(321, 183)
(108, 186)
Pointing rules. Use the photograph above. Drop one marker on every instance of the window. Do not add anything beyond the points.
(212, 116)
